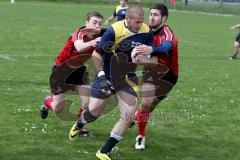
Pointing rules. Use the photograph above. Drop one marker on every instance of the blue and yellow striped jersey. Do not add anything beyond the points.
(118, 39)
(120, 12)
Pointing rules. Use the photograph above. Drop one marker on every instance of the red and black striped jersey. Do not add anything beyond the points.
(171, 59)
(69, 51)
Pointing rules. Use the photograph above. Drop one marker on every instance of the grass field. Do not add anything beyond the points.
(199, 120)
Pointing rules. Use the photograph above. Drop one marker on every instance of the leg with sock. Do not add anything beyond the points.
(127, 109)
(86, 117)
(111, 142)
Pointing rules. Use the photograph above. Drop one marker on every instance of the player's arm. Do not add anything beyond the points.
(82, 46)
(146, 49)
(111, 18)
(164, 48)
(81, 41)
(107, 42)
(97, 61)
(104, 47)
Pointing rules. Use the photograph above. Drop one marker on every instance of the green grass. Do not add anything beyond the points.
(199, 120)
(199, 6)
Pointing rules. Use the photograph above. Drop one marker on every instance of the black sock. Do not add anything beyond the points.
(111, 142)
(235, 55)
(79, 124)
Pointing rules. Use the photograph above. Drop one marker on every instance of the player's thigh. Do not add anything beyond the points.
(237, 44)
(165, 85)
(84, 92)
(148, 90)
(58, 98)
(127, 105)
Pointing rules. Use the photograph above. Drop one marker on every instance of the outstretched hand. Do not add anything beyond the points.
(91, 31)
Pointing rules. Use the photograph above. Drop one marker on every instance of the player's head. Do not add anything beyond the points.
(123, 2)
(94, 19)
(134, 18)
(158, 15)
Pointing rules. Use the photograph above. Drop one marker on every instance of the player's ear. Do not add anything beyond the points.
(86, 22)
(127, 19)
(164, 18)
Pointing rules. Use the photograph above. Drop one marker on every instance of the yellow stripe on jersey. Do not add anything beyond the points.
(133, 85)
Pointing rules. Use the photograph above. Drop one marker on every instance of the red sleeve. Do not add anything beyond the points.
(77, 35)
(168, 34)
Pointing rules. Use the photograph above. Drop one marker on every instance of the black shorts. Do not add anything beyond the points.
(238, 38)
(128, 85)
(164, 82)
(65, 78)
(77, 77)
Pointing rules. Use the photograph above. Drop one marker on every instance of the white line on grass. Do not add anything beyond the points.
(6, 57)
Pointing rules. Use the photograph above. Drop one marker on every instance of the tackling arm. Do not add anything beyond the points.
(97, 61)
(164, 48)
(82, 46)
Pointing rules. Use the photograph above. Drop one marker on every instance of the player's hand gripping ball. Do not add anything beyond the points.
(138, 57)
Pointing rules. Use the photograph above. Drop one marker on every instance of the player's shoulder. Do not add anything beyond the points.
(117, 8)
(118, 26)
(166, 28)
(170, 35)
(78, 30)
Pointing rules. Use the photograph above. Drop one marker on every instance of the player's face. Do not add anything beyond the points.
(135, 23)
(123, 2)
(94, 22)
(155, 19)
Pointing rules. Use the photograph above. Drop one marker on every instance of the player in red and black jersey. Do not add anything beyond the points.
(160, 79)
(69, 66)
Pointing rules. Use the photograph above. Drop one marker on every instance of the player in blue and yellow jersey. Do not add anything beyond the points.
(119, 12)
(116, 75)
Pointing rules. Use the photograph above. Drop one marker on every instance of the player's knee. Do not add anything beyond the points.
(88, 116)
(150, 103)
(236, 45)
(57, 107)
(85, 105)
(146, 104)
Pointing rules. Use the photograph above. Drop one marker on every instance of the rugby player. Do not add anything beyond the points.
(79, 43)
(236, 43)
(160, 79)
(119, 12)
(116, 76)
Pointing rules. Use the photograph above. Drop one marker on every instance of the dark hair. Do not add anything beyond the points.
(162, 8)
(93, 14)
